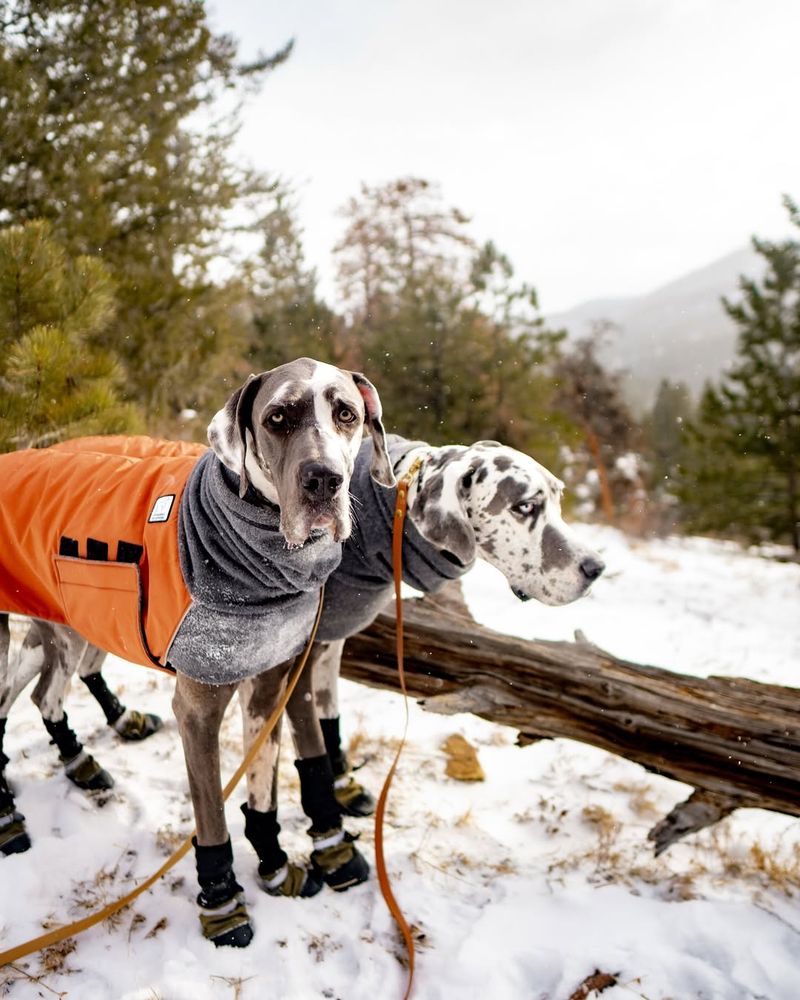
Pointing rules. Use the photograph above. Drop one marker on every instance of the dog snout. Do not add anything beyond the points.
(592, 568)
(319, 481)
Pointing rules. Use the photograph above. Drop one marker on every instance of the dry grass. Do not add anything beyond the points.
(462, 759)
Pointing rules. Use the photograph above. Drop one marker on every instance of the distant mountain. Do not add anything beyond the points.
(679, 332)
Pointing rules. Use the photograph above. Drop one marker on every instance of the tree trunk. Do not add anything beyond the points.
(737, 742)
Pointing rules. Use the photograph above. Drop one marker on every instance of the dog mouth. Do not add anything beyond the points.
(316, 523)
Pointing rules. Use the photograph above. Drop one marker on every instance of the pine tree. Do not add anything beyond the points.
(290, 320)
(118, 119)
(53, 385)
(457, 344)
(665, 429)
(591, 397)
(749, 425)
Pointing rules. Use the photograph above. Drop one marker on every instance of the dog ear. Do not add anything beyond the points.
(440, 515)
(227, 432)
(381, 467)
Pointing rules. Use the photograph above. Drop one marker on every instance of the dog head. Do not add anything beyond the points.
(493, 501)
(293, 434)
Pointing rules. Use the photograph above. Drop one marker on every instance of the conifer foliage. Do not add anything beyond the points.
(742, 472)
(53, 384)
(118, 119)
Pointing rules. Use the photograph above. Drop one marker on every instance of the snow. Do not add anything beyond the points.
(519, 887)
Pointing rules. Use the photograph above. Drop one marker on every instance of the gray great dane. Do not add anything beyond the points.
(260, 525)
(484, 500)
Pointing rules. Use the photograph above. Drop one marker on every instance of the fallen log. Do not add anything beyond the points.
(736, 741)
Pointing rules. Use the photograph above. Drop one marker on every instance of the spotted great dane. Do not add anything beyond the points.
(485, 500)
(261, 520)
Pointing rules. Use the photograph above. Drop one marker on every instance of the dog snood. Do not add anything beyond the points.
(253, 598)
(362, 585)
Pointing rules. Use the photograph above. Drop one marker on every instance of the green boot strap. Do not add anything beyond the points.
(12, 825)
(135, 725)
(332, 849)
(347, 789)
(86, 773)
(288, 880)
(224, 918)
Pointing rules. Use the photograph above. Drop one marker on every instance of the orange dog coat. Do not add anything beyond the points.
(89, 538)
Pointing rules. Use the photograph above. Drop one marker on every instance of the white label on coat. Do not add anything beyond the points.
(161, 509)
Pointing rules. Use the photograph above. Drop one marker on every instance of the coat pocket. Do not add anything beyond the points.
(103, 601)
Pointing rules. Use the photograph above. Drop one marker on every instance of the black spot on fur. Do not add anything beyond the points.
(502, 463)
(509, 491)
(556, 551)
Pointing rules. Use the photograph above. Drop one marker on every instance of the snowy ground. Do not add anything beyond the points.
(521, 886)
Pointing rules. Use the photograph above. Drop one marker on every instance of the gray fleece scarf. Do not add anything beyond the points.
(253, 599)
(362, 585)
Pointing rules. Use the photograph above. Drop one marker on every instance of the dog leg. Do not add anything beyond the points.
(278, 875)
(129, 723)
(13, 837)
(199, 709)
(60, 650)
(336, 859)
(351, 795)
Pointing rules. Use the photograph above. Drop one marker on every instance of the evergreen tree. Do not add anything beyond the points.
(289, 318)
(458, 345)
(591, 397)
(749, 426)
(113, 131)
(53, 385)
(665, 427)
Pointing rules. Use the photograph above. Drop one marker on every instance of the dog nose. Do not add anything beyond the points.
(320, 481)
(592, 568)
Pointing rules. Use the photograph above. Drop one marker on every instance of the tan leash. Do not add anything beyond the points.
(400, 510)
(69, 930)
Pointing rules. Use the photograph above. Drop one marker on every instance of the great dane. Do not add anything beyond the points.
(247, 533)
(485, 500)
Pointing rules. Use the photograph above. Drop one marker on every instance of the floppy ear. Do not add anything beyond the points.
(440, 515)
(227, 432)
(381, 467)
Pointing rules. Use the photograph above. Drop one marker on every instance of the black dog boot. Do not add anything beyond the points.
(337, 860)
(79, 766)
(134, 725)
(129, 723)
(277, 875)
(13, 836)
(223, 914)
(353, 798)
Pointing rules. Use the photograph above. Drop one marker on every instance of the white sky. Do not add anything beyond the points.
(607, 146)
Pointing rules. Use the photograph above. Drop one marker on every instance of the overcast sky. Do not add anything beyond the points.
(607, 146)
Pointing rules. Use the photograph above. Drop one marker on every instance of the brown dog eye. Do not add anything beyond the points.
(346, 415)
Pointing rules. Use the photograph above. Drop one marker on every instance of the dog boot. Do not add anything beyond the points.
(223, 913)
(337, 860)
(353, 798)
(79, 766)
(134, 725)
(84, 771)
(13, 836)
(277, 875)
(129, 723)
